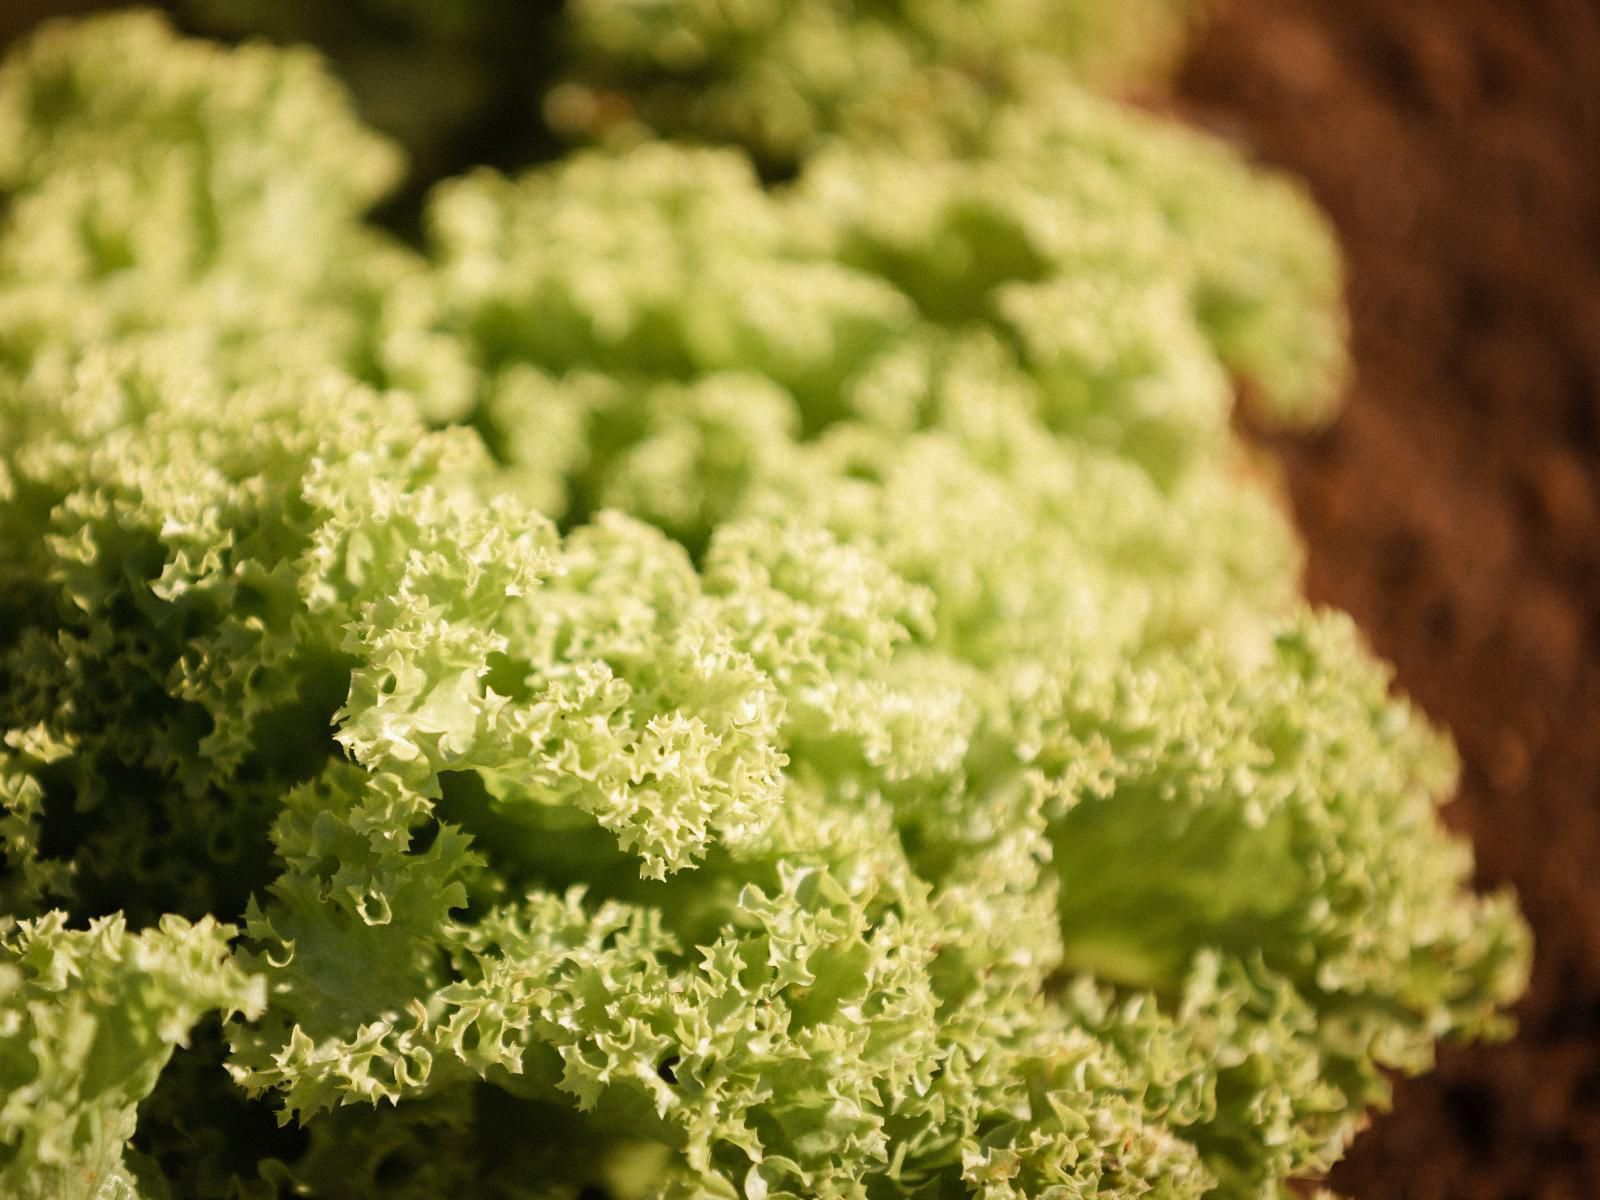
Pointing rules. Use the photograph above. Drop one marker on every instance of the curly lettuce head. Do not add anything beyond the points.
(782, 78)
(677, 688)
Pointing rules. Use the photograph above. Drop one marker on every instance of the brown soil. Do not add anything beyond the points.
(1455, 508)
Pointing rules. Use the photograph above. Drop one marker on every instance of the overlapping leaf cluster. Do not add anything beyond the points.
(678, 688)
(777, 78)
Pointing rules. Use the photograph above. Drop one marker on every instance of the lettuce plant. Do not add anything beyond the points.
(678, 687)
(778, 77)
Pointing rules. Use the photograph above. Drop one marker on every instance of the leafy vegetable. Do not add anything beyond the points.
(682, 688)
(777, 77)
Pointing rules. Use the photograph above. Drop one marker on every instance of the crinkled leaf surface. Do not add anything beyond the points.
(685, 688)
